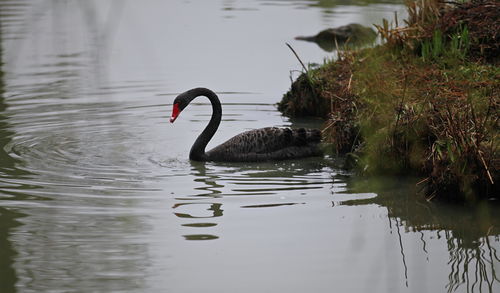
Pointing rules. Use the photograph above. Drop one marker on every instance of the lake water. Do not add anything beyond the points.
(97, 193)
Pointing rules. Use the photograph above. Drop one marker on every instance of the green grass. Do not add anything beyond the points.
(420, 104)
(439, 120)
(438, 48)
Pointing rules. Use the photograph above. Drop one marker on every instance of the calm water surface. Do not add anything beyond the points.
(97, 193)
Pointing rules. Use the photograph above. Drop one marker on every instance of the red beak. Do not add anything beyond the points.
(175, 113)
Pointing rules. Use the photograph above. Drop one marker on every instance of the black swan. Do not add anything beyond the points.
(264, 144)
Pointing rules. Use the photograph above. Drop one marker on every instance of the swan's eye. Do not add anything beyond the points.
(175, 112)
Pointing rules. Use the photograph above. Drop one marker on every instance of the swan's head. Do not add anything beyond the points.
(180, 102)
(175, 113)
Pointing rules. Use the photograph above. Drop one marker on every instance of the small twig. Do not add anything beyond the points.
(298, 58)
(486, 117)
(309, 78)
(291, 73)
(328, 126)
(451, 2)
(336, 96)
(401, 103)
(349, 84)
(485, 167)
(431, 196)
(337, 49)
(489, 230)
(422, 181)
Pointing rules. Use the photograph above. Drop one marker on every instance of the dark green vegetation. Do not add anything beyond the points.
(426, 102)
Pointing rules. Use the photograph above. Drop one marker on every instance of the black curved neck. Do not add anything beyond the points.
(197, 152)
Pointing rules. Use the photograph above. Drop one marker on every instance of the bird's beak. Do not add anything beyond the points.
(175, 113)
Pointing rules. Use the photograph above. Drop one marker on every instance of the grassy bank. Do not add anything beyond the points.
(425, 102)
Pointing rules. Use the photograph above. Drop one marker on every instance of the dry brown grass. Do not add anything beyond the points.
(393, 110)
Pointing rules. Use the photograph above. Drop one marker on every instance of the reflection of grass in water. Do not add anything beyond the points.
(468, 230)
(473, 267)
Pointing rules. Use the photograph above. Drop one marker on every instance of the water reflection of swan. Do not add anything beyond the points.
(233, 179)
(198, 221)
(216, 211)
(264, 144)
(269, 178)
(211, 188)
(215, 208)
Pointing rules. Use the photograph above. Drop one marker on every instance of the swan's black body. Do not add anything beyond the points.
(264, 144)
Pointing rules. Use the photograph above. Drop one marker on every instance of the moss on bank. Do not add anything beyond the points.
(426, 102)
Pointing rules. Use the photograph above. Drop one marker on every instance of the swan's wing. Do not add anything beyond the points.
(266, 140)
